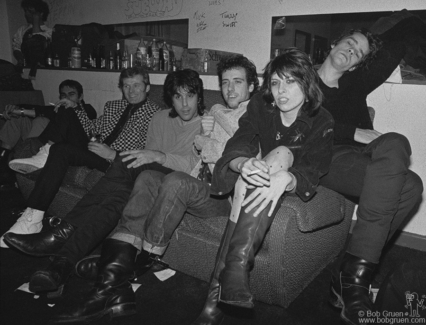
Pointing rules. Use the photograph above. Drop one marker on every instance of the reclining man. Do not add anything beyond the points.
(367, 164)
(27, 121)
(238, 80)
(123, 126)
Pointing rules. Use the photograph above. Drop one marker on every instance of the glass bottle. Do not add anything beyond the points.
(166, 57)
(125, 60)
(155, 55)
(141, 53)
(118, 57)
(111, 61)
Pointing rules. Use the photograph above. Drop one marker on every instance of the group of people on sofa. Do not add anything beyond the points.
(300, 129)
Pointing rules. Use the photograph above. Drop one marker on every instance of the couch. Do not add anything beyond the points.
(303, 239)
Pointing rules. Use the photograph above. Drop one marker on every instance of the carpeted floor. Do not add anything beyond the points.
(176, 301)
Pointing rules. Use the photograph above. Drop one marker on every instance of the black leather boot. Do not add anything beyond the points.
(87, 268)
(53, 278)
(211, 313)
(351, 289)
(45, 243)
(246, 240)
(112, 293)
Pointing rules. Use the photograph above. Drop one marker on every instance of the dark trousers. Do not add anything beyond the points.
(65, 128)
(70, 149)
(61, 156)
(378, 175)
(98, 212)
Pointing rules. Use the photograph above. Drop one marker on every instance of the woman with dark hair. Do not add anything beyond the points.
(287, 126)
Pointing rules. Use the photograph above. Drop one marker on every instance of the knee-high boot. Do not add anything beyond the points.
(351, 290)
(112, 293)
(211, 313)
(245, 242)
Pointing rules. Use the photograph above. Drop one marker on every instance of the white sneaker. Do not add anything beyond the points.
(29, 165)
(30, 222)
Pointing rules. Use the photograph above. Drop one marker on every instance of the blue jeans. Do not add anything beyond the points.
(378, 175)
(157, 205)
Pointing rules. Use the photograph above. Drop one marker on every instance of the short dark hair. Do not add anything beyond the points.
(374, 43)
(183, 79)
(131, 72)
(38, 6)
(297, 64)
(72, 84)
(239, 61)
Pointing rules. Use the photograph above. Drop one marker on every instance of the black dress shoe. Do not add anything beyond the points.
(87, 268)
(53, 278)
(45, 243)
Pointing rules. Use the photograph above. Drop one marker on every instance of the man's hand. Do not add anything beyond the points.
(102, 150)
(261, 196)
(65, 102)
(207, 125)
(143, 157)
(365, 136)
(11, 111)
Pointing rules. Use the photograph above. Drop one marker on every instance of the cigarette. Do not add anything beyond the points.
(254, 172)
(52, 104)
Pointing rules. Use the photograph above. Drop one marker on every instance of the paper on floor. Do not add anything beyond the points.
(25, 288)
(165, 274)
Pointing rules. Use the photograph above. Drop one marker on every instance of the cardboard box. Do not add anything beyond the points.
(203, 60)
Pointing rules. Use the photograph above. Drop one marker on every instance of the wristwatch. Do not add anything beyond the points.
(22, 112)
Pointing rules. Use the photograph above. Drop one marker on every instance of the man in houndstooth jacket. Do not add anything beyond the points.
(122, 127)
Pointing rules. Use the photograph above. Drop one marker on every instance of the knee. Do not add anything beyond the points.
(176, 179)
(396, 143)
(280, 158)
(415, 184)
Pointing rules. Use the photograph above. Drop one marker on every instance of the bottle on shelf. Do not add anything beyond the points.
(206, 63)
(49, 55)
(118, 57)
(161, 60)
(125, 60)
(141, 53)
(56, 61)
(149, 56)
(155, 55)
(94, 58)
(111, 61)
(166, 57)
(101, 62)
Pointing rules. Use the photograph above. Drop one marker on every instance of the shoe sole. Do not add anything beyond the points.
(120, 310)
(23, 168)
(42, 281)
(243, 304)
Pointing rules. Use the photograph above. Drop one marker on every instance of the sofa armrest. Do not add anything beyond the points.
(319, 212)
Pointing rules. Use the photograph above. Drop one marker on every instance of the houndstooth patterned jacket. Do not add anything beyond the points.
(134, 132)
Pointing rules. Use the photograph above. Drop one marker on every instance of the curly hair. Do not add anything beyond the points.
(296, 63)
(183, 79)
(374, 43)
(38, 5)
(239, 61)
